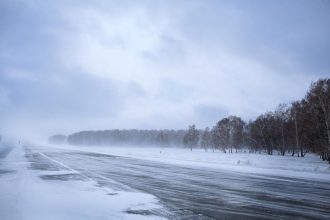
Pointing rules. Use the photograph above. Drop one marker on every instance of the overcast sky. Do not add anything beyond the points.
(75, 65)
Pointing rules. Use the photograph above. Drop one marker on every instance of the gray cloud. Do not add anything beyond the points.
(69, 65)
(208, 115)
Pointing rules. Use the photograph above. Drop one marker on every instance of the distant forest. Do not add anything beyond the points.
(128, 137)
(295, 128)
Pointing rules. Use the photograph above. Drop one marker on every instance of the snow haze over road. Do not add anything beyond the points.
(36, 187)
(127, 183)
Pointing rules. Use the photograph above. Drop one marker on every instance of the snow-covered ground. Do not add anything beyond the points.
(309, 167)
(26, 196)
(71, 182)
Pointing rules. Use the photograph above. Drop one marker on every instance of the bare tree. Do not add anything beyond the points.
(191, 137)
(206, 139)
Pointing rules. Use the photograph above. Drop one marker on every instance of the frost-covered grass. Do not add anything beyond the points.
(309, 167)
(24, 195)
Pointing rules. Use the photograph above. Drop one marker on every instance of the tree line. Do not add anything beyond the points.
(117, 137)
(296, 128)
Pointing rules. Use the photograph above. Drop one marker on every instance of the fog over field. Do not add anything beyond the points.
(201, 109)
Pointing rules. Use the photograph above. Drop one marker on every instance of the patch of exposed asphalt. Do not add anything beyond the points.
(139, 212)
(6, 171)
(62, 177)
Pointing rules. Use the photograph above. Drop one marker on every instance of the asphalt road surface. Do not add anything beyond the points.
(196, 193)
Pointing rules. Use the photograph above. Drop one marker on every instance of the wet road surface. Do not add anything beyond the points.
(199, 193)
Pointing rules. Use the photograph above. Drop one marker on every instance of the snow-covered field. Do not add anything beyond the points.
(309, 167)
(26, 196)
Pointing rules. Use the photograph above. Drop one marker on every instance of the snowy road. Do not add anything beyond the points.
(200, 193)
